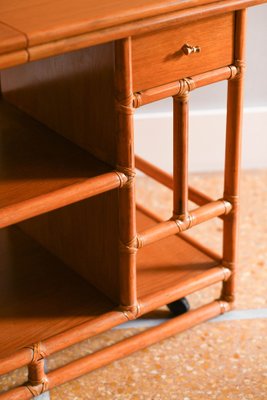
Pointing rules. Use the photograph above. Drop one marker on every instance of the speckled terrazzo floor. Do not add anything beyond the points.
(253, 230)
(212, 361)
(217, 360)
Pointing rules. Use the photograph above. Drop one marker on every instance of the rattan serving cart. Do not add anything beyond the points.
(77, 256)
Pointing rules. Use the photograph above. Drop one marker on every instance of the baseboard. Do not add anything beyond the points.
(153, 133)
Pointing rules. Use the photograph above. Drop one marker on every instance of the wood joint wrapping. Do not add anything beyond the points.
(234, 200)
(186, 222)
(228, 264)
(131, 312)
(38, 389)
(38, 352)
(122, 177)
(241, 67)
(226, 273)
(184, 86)
(137, 100)
(233, 71)
(227, 205)
(37, 379)
(224, 306)
(129, 247)
(127, 176)
(228, 298)
(125, 106)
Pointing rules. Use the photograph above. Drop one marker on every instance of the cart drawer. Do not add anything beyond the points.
(159, 58)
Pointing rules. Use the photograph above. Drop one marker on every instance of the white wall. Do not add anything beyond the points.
(207, 119)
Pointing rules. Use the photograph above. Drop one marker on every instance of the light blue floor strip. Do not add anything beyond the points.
(44, 396)
(235, 315)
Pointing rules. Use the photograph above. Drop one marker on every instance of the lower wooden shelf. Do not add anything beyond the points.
(39, 296)
(173, 267)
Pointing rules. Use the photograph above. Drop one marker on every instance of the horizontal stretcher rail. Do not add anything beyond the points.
(62, 197)
(65, 339)
(209, 252)
(167, 180)
(183, 86)
(174, 226)
(184, 287)
(122, 349)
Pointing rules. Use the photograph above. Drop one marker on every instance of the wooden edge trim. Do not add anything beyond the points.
(210, 253)
(59, 198)
(185, 85)
(63, 340)
(13, 58)
(124, 348)
(176, 224)
(139, 26)
(19, 359)
(187, 285)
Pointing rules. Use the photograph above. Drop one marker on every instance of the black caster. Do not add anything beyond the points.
(179, 307)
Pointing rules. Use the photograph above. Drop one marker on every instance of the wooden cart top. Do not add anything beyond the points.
(34, 29)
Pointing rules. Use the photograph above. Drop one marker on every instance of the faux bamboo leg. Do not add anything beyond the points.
(124, 348)
(232, 158)
(37, 379)
(127, 223)
(180, 156)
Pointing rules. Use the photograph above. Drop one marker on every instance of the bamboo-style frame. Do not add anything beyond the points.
(129, 240)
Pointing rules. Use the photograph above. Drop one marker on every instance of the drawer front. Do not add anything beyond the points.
(158, 57)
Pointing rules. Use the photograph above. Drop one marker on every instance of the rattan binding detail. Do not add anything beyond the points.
(39, 389)
(130, 247)
(38, 352)
(131, 312)
(125, 106)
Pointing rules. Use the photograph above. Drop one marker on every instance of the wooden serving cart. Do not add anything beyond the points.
(77, 256)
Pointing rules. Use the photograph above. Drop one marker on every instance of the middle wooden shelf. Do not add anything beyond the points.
(173, 267)
(41, 171)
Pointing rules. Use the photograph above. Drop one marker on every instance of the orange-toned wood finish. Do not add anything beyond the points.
(86, 23)
(180, 156)
(66, 93)
(125, 163)
(29, 184)
(233, 157)
(88, 261)
(162, 51)
(49, 297)
(11, 40)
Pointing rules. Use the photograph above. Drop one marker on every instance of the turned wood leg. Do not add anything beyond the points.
(232, 159)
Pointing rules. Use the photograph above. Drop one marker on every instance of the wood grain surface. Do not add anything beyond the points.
(162, 55)
(10, 39)
(45, 21)
(41, 171)
(163, 264)
(73, 94)
(39, 295)
(52, 28)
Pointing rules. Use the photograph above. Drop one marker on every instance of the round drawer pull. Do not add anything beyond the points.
(187, 49)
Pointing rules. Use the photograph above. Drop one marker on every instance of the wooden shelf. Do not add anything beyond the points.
(172, 268)
(41, 171)
(39, 296)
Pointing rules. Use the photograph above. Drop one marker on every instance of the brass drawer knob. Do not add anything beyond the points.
(187, 49)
